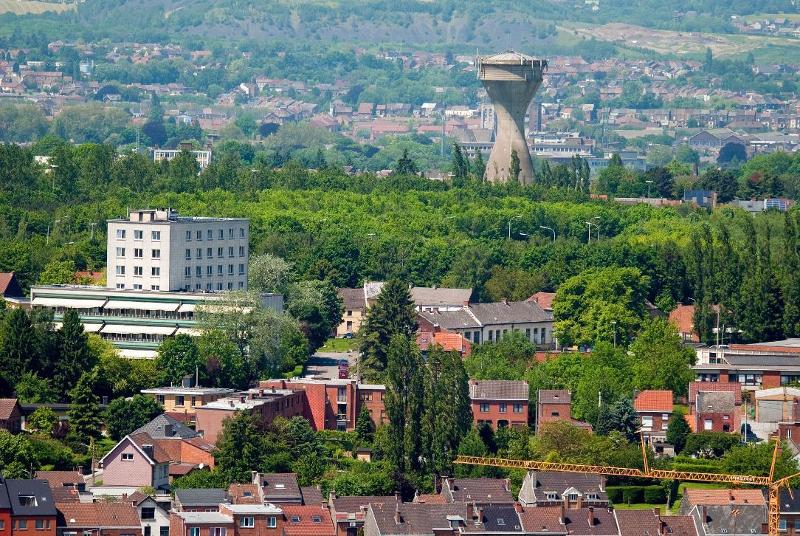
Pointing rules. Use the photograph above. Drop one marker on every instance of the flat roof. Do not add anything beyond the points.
(187, 390)
(268, 508)
(204, 517)
(234, 403)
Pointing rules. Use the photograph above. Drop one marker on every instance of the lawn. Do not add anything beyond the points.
(25, 7)
(340, 345)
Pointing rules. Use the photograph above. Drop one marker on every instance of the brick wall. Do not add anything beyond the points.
(499, 413)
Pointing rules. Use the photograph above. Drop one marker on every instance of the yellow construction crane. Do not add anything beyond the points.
(768, 482)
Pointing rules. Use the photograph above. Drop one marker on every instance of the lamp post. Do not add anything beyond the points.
(549, 229)
(648, 188)
(589, 241)
(597, 226)
(53, 168)
(92, 225)
(509, 225)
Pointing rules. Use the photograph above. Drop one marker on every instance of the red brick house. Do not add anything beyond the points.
(10, 415)
(33, 512)
(654, 408)
(349, 512)
(98, 519)
(715, 407)
(307, 520)
(499, 403)
(553, 405)
(229, 520)
(5, 510)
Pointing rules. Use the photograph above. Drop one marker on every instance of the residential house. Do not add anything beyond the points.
(715, 139)
(489, 322)
(553, 405)
(5, 510)
(278, 488)
(570, 490)
(355, 309)
(349, 512)
(420, 519)
(254, 519)
(544, 299)
(492, 519)
(643, 522)
(98, 519)
(33, 511)
(714, 407)
(136, 461)
(449, 342)
(499, 403)
(10, 415)
(199, 500)
(790, 512)
(476, 490)
(654, 408)
(65, 485)
(153, 514)
(756, 366)
(201, 524)
(713, 511)
(307, 520)
(181, 402)
(10, 289)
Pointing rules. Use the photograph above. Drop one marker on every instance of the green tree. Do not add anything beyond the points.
(318, 307)
(240, 448)
(31, 389)
(393, 314)
(17, 458)
(42, 421)
(58, 273)
(662, 361)
(123, 416)
(404, 405)
(756, 459)
(178, 357)
(20, 346)
(74, 356)
(405, 165)
(85, 419)
(365, 427)
(506, 359)
(268, 273)
(224, 364)
(479, 166)
(459, 166)
(678, 430)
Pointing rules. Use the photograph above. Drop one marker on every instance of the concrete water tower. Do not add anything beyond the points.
(511, 80)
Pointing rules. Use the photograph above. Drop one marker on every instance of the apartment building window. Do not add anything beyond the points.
(155, 235)
(241, 269)
(210, 234)
(241, 285)
(120, 234)
(120, 252)
(241, 251)
(209, 270)
(137, 286)
(503, 407)
(137, 271)
(219, 269)
(188, 254)
(517, 408)
(155, 271)
(127, 457)
(138, 235)
(230, 269)
(230, 285)
(247, 522)
(22, 524)
(156, 254)
(220, 254)
(272, 522)
(2, 524)
(219, 286)
(194, 531)
(241, 232)
(138, 253)
(120, 270)
(230, 252)
(221, 234)
(208, 286)
(155, 287)
(120, 286)
(180, 400)
(218, 531)
(187, 271)
(199, 253)
(199, 235)
(209, 252)
(189, 236)
(198, 286)
(198, 271)
(484, 407)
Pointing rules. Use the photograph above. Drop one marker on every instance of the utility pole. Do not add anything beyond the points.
(92, 225)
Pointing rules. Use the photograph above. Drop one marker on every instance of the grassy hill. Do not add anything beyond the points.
(32, 7)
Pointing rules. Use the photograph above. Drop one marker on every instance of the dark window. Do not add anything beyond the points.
(148, 513)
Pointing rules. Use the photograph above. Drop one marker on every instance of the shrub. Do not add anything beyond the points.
(654, 495)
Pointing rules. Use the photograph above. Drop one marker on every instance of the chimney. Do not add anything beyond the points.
(591, 516)
(397, 518)
(168, 430)
(254, 477)
(148, 450)
(517, 507)
(186, 381)
(563, 520)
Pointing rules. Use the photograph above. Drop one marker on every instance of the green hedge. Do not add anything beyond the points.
(636, 494)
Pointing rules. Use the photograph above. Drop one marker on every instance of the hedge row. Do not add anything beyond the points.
(636, 494)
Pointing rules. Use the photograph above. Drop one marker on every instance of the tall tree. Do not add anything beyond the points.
(459, 165)
(404, 402)
(178, 357)
(678, 430)
(662, 360)
(405, 166)
(123, 416)
(74, 354)
(392, 314)
(19, 345)
(479, 166)
(240, 448)
(365, 426)
(85, 419)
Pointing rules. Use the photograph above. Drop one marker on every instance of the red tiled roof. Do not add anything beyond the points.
(7, 406)
(307, 521)
(540, 519)
(654, 400)
(5, 280)
(430, 498)
(682, 317)
(101, 514)
(723, 497)
(544, 299)
(60, 478)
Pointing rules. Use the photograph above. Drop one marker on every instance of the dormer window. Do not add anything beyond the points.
(247, 494)
(295, 519)
(28, 500)
(280, 486)
(501, 521)
(316, 519)
(552, 496)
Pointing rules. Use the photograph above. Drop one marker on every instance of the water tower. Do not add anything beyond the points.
(511, 80)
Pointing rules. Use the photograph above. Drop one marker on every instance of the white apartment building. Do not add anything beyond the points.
(158, 250)
(203, 157)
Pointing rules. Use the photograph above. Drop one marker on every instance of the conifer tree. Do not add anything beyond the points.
(392, 314)
(479, 166)
(84, 409)
(460, 166)
(365, 427)
(19, 346)
(74, 354)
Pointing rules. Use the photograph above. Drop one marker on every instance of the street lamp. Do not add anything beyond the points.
(590, 231)
(648, 188)
(597, 226)
(53, 168)
(509, 225)
(549, 229)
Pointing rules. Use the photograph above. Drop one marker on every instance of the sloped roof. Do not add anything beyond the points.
(9, 285)
(434, 296)
(159, 454)
(278, 487)
(488, 490)
(554, 396)
(682, 317)
(498, 390)
(654, 400)
(7, 406)
(201, 496)
(723, 497)
(542, 519)
(353, 503)
(307, 521)
(544, 299)
(60, 478)
(509, 312)
(352, 298)
(244, 494)
(497, 518)
(44, 505)
(705, 387)
(458, 319)
(99, 514)
(715, 402)
(638, 522)
(311, 495)
(164, 426)
(415, 518)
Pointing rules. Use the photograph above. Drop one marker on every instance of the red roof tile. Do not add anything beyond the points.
(7, 406)
(97, 515)
(654, 400)
(307, 521)
(544, 299)
(723, 497)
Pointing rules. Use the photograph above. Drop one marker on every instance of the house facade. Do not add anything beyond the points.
(499, 403)
(654, 409)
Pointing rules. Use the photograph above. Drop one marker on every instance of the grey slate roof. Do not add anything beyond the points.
(354, 503)
(42, 504)
(509, 313)
(459, 319)
(482, 490)
(502, 518)
(498, 390)
(537, 484)
(770, 360)
(715, 402)
(440, 296)
(4, 502)
(415, 518)
(195, 497)
(166, 427)
(352, 298)
(554, 396)
(718, 519)
(280, 487)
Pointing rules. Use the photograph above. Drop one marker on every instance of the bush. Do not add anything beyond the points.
(615, 493)
(654, 495)
(632, 494)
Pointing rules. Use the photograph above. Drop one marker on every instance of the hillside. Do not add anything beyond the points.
(28, 7)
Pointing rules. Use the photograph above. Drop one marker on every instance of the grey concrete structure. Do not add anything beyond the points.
(511, 80)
